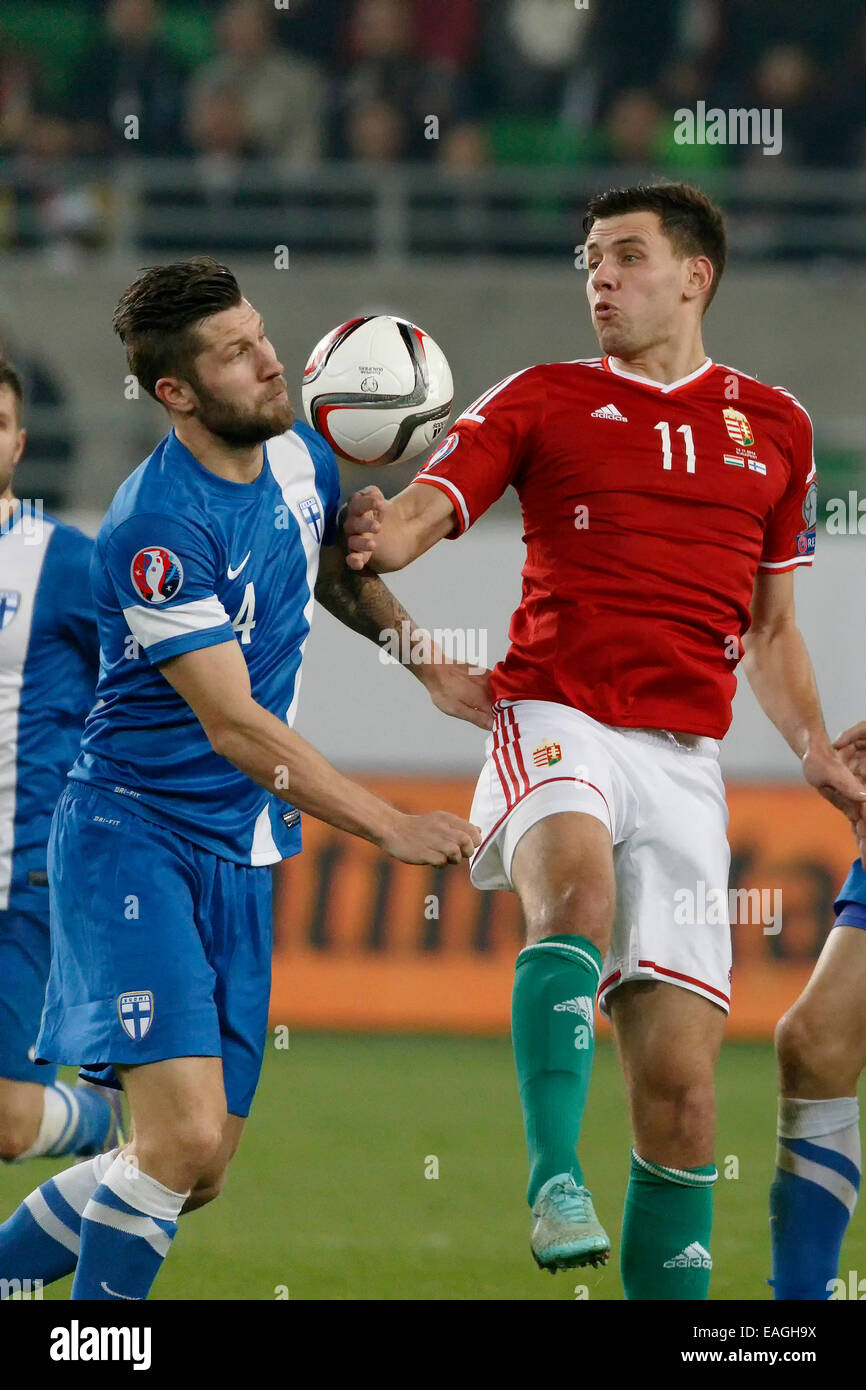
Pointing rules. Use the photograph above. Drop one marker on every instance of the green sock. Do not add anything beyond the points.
(666, 1231)
(552, 1029)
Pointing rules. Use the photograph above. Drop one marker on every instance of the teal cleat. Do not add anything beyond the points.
(566, 1232)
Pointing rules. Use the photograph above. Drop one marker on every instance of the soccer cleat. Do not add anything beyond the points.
(566, 1232)
(116, 1136)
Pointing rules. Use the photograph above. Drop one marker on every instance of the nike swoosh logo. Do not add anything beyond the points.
(233, 574)
(131, 1298)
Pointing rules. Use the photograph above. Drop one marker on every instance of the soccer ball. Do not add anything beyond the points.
(378, 389)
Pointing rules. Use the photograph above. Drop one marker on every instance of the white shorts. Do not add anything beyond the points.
(664, 805)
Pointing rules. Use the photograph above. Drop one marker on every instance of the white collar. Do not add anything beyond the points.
(664, 387)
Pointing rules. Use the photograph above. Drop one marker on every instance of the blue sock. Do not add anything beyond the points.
(41, 1239)
(126, 1232)
(75, 1120)
(813, 1193)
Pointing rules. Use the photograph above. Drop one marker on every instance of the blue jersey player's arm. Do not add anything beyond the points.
(164, 572)
(364, 603)
(215, 683)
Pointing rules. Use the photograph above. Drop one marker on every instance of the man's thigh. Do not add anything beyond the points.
(160, 949)
(182, 1133)
(562, 870)
(672, 874)
(543, 760)
(669, 1040)
(130, 982)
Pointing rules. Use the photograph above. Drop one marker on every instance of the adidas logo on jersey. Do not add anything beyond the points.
(608, 412)
(693, 1257)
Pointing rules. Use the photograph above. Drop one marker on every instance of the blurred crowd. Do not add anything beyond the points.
(234, 90)
(459, 83)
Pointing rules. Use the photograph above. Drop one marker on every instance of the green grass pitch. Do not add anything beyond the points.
(328, 1199)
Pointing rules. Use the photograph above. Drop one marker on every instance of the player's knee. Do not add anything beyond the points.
(576, 909)
(806, 1049)
(198, 1142)
(791, 1040)
(677, 1111)
(189, 1147)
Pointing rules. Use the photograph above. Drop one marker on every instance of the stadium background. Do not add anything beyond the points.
(432, 160)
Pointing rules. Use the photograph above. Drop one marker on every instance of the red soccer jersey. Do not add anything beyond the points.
(647, 510)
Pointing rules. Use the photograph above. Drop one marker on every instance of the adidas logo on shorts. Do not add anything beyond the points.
(693, 1257)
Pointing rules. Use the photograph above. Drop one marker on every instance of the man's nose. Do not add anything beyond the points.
(272, 365)
(602, 277)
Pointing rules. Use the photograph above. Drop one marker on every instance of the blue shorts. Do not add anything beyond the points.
(850, 906)
(159, 948)
(24, 957)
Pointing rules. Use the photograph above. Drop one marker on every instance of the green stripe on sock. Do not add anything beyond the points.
(553, 1033)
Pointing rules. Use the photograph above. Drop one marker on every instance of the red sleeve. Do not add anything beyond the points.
(486, 446)
(789, 536)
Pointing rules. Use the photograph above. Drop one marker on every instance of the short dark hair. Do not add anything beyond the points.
(157, 317)
(9, 377)
(690, 220)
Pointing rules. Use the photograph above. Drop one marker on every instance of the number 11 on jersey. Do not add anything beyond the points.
(667, 452)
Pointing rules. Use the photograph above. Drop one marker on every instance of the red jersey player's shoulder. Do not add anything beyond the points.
(526, 386)
(761, 391)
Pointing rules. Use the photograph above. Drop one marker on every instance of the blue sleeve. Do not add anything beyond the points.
(163, 571)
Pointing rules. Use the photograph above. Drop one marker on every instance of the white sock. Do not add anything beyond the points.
(78, 1183)
(59, 1118)
(824, 1144)
(809, 1119)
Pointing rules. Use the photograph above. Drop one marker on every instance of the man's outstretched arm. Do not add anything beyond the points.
(780, 672)
(364, 603)
(215, 683)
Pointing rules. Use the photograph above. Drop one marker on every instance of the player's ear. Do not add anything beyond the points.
(19, 447)
(699, 276)
(175, 394)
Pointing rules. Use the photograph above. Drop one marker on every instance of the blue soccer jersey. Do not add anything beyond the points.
(49, 658)
(187, 559)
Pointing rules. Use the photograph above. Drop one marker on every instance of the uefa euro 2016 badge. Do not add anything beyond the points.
(547, 754)
(738, 427)
(136, 1013)
(448, 445)
(156, 574)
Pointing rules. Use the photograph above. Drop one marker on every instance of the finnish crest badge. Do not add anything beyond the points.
(136, 1013)
(312, 514)
(9, 603)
